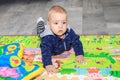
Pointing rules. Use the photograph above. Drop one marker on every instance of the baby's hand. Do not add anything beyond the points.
(80, 58)
(50, 69)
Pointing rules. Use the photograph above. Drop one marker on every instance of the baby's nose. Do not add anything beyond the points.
(61, 25)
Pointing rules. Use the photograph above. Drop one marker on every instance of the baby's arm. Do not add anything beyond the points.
(46, 49)
(78, 48)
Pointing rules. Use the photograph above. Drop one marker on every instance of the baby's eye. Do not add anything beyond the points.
(64, 22)
(56, 23)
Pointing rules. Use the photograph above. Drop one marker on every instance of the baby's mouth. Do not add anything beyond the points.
(60, 31)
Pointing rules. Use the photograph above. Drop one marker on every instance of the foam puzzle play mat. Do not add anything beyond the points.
(20, 59)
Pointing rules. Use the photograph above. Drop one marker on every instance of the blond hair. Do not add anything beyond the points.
(56, 9)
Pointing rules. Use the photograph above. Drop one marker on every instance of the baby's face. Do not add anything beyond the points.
(58, 23)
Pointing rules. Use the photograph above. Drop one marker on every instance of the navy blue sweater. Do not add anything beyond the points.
(51, 45)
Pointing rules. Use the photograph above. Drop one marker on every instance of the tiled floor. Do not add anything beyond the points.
(18, 17)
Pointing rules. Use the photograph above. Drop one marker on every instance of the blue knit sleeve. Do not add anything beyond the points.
(76, 43)
(46, 48)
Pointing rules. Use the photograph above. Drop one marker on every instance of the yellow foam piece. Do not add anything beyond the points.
(34, 74)
(20, 53)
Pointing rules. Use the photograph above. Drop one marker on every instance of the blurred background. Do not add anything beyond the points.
(18, 17)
